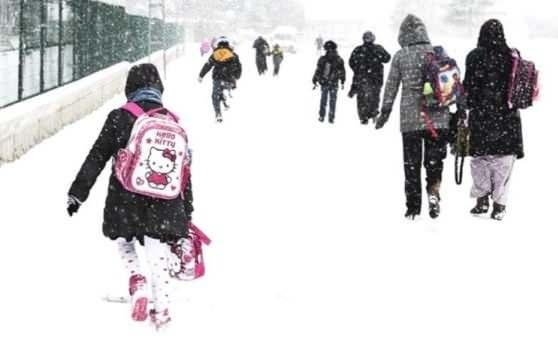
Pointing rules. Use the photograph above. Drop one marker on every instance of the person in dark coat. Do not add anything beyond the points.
(329, 73)
(278, 55)
(227, 69)
(367, 62)
(262, 51)
(407, 70)
(496, 139)
(129, 216)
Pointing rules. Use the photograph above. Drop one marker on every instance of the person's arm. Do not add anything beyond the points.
(353, 63)
(470, 83)
(207, 67)
(316, 77)
(392, 85)
(189, 199)
(342, 73)
(103, 149)
(383, 55)
(238, 67)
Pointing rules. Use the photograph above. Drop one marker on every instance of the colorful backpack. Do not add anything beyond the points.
(186, 260)
(442, 80)
(524, 82)
(156, 161)
(442, 85)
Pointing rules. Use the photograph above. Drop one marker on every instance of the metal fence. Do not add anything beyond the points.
(48, 43)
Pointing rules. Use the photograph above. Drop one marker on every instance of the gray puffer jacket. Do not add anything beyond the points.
(406, 69)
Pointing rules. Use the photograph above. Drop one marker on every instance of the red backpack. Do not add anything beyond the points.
(524, 82)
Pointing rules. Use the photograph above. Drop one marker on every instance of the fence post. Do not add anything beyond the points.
(21, 51)
(60, 37)
(42, 43)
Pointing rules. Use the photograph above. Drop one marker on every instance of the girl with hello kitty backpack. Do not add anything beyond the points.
(149, 197)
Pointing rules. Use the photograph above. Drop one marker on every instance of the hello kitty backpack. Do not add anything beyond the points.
(156, 161)
(186, 260)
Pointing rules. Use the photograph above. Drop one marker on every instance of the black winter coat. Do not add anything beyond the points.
(367, 63)
(226, 65)
(330, 70)
(495, 129)
(261, 46)
(126, 214)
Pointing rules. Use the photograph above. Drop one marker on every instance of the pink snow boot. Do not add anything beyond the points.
(139, 298)
(160, 319)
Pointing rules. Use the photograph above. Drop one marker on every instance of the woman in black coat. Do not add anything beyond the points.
(496, 135)
(129, 216)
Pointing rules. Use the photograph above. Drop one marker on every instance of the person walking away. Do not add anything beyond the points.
(367, 62)
(132, 217)
(496, 138)
(262, 51)
(319, 43)
(329, 73)
(227, 69)
(407, 70)
(205, 47)
(277, 54)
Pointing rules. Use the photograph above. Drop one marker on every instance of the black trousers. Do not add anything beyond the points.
(368, 100)
(435, 151)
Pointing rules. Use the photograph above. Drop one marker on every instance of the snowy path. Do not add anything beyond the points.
(309, 238)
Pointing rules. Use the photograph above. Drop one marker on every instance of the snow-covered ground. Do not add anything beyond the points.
(307, 222)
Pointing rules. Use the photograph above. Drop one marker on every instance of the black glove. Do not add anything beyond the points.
(383, 118)
(73, 205)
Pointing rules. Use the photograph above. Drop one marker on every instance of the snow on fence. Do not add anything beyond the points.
(27, 123)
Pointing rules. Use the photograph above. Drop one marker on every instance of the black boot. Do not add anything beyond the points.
(498, 212)
(321, 118)
(434, 205)
(411, 214)
(482, 206)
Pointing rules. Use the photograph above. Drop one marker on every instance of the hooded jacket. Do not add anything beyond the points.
(407, 70)
(495, 129)
(225, 63)
(126, 214)
(330, 70)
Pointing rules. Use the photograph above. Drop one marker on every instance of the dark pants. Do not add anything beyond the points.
(435, 151)
(277, 67)
(261, 63)
(368, 100)
(328, 91)
(218, 94)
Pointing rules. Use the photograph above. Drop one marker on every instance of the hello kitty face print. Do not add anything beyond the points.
(156, 160)
(161, 163)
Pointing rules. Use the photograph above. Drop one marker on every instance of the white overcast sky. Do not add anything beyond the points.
(373, 9)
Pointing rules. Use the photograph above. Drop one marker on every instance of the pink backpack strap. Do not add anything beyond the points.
(133, 108)
(203, 237)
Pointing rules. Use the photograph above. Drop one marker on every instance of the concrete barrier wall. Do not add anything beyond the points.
(25, 124)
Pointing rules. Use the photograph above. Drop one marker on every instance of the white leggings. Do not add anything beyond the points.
(157, 272)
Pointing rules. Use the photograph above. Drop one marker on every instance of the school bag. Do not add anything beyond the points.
(442, 85)
(186, 260)
(156, 160)
(524, 82)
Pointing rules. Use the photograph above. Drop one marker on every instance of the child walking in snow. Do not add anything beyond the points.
(329, 72)
(131, 217)
(227, 69)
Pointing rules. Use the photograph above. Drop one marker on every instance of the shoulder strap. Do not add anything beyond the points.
(133, 108)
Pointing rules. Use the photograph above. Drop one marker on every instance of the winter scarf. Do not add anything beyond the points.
(147, 94)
